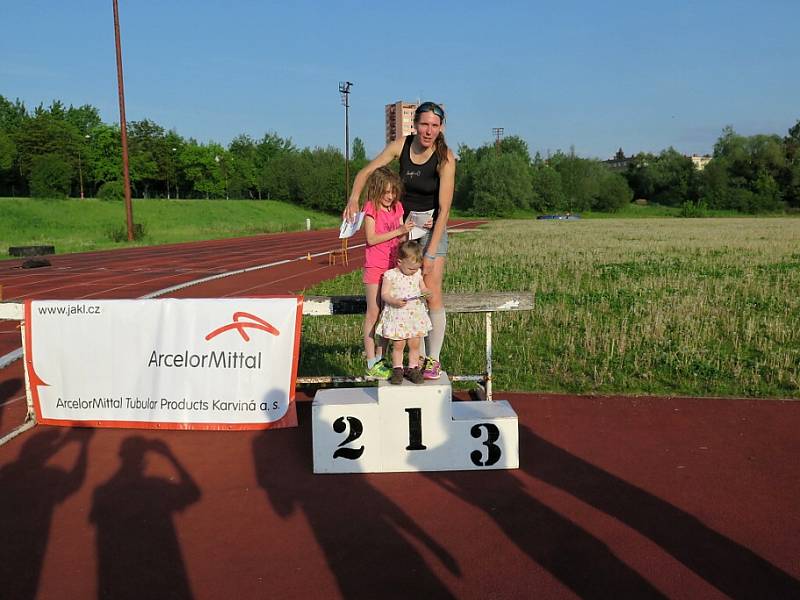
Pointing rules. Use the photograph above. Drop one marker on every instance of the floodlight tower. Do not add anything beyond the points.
(344, 91)
(497, 132)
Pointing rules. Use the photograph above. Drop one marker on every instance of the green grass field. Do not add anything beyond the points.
(81, 225)
(700, 307)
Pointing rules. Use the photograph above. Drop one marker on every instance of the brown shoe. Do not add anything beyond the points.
(397, 376)
(415, 375)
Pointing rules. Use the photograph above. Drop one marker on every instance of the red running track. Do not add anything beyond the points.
(616, 498)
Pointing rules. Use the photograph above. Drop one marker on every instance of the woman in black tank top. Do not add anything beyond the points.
(421, 182)
(427, 168)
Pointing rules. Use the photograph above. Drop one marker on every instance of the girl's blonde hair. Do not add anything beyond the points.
(377, 183)
(410, 249)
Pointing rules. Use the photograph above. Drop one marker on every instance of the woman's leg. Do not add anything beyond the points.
(433, 281)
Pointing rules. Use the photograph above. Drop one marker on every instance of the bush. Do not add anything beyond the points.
(50, 176)
(693, 210)
(502, 185)
(120, 233)
(548, 195)
(580, 180)
(111, 190)
(613, 193)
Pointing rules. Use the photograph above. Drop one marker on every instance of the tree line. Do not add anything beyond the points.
(60, 150)
(502, 179)
(750, 174)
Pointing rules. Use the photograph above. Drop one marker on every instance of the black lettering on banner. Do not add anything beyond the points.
(415, 429)
(493, 451)
(356, 429)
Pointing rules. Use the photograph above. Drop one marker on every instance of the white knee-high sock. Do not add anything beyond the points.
(435, 339)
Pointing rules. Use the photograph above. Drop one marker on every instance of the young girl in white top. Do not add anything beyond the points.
(404, 317)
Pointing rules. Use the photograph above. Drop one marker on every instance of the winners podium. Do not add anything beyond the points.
(410, 427)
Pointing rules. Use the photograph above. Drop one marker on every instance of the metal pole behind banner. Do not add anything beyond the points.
(123, 127)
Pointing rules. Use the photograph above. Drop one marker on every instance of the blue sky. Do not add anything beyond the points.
(593, 75)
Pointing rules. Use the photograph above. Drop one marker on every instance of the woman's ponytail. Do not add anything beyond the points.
(441, 148)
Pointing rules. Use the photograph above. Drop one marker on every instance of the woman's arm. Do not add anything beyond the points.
(447, 180)
(386, 156)
(376, 238)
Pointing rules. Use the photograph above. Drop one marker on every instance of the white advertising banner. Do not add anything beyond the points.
(168, 364)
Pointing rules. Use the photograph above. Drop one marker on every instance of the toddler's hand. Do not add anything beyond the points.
(398, 302)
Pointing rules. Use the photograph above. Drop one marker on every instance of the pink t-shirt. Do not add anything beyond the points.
(384, 255)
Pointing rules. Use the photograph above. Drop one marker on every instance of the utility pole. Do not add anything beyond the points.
(344, 90)
(123, 127)
(497, 132)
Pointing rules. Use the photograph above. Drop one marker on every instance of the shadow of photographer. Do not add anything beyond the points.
(30, 490)
(138, 550)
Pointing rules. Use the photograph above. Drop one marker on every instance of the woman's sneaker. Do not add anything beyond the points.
(415, 375)
(433, 369)
(397, 376)
(379, 370)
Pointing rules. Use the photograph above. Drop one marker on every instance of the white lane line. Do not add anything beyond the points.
(13, 400)
(285, 261)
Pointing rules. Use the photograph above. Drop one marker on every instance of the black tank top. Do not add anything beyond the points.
(421, 182)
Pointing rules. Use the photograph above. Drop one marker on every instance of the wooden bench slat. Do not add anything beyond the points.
(454, 303)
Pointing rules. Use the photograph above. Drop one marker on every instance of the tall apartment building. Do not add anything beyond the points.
(399, 119)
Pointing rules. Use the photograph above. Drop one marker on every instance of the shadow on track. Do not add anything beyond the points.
(30, 489)
(725, 564)
(580, 561)
(139, 555)
(363, 534)
(8, 389)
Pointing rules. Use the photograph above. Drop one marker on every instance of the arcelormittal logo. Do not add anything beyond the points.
(242, 321)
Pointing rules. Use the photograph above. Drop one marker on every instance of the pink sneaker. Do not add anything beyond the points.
(433, 369)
